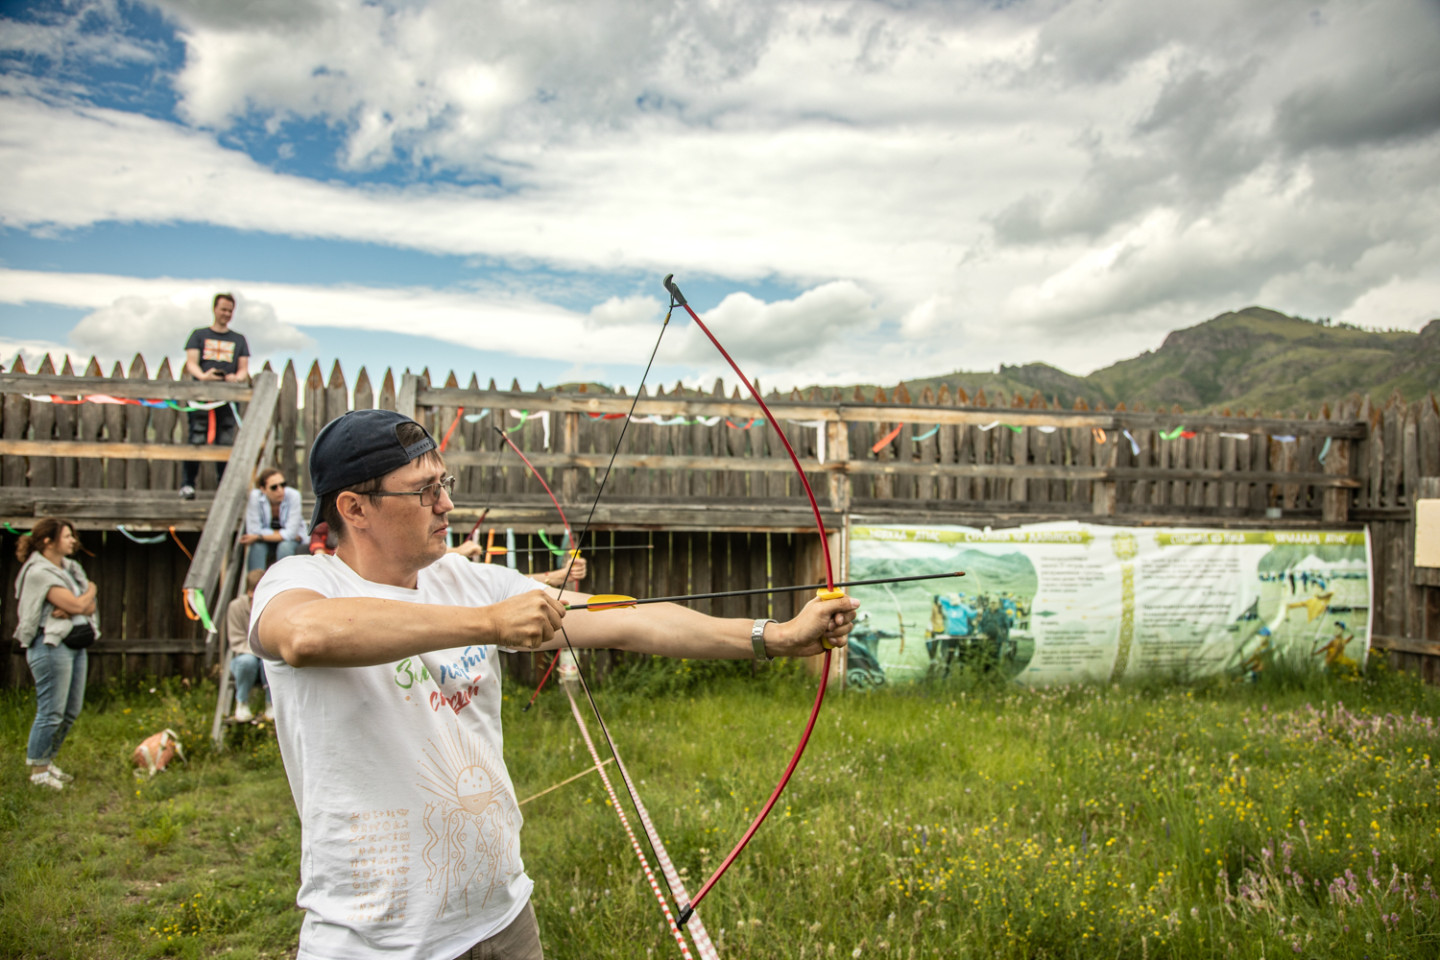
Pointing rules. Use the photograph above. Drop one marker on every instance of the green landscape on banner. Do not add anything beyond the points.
(1072, 602)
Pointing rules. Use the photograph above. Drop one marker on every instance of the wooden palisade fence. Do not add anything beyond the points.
(706, 485)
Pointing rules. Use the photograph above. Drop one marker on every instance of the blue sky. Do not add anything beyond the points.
(855, 191)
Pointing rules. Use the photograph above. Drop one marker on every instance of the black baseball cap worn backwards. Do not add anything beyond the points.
(358, 446)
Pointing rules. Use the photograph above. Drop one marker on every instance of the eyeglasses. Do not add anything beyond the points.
(429, 494)
(275, 486)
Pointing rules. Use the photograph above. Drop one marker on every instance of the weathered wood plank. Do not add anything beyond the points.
(90, 471)
(879, 467)
(42, 428)
(287, 424)
(137, 430)
(406, 397)
(121, 387)
(15, 410)
(737, 407)
(104, 450)
(66, 418)
(165, 424)
(230, 498)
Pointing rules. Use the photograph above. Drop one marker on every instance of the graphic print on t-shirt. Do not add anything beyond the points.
(220, 351)
(471, 827)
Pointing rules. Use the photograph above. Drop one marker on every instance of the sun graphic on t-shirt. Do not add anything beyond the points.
(471, 827)
(475, 789)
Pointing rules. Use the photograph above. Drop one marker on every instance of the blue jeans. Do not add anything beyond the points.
(246, 668)
(59, 674)
(258, 557)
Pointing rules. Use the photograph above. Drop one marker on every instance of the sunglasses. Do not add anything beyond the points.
(279, 485)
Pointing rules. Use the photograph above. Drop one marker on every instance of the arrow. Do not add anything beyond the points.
(613, 601)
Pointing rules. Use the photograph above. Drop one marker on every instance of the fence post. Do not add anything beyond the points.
(409, 393)
(1335, 502)
(1102, 494)
(570, 443)
(837, 448)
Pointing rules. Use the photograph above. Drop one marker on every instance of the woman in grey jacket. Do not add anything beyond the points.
(57, 603)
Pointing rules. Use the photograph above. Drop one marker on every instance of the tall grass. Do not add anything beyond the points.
(1296, 816)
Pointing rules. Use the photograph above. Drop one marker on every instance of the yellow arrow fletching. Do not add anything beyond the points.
(610, 601)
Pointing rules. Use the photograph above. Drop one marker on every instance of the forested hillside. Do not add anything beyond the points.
(1253, 359)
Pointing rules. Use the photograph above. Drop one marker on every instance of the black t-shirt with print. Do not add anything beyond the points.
(218, 351)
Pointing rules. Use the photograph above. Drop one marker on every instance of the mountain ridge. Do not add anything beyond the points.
(1255, 359)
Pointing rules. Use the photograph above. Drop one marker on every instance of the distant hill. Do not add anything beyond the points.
(1256, 360)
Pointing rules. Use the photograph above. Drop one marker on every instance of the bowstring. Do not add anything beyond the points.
(579, 544)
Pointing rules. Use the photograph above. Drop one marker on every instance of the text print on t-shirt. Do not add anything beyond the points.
(465, 672)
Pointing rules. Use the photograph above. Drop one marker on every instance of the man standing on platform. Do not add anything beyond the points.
(214, 353)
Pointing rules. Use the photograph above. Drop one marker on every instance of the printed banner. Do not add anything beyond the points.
(1074, 602)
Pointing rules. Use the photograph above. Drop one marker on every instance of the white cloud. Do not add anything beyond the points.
(786, 332)
(1399, 304)
(953, 185)
(626, 311)
(158, 326)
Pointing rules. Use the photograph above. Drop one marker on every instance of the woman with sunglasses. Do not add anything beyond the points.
(274, 521)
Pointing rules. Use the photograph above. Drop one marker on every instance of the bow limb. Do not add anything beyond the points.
(829, 593)
(537, 475)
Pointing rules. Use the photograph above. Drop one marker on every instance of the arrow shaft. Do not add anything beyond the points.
(763, 590)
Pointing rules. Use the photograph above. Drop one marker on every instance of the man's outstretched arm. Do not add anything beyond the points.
(668, 629)
(306, 629)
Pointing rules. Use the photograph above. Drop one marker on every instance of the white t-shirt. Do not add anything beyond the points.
(410, 833)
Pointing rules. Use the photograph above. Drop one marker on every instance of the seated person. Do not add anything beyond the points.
(245, 667)
(274, 521)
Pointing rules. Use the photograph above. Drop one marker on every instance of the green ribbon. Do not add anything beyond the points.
(18, 533)
(197, 601)
(558, 551)
(1172, 434)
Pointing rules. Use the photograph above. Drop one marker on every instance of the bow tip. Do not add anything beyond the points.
(674, 290)
(685, 915)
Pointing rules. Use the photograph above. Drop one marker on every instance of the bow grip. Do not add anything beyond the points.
(828, 595)
(674, 290)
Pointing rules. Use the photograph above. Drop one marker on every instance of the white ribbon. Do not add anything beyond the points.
(819, 426)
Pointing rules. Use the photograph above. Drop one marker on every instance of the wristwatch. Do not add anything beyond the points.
(757, 640)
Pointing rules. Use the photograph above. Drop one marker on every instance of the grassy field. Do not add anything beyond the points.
(1295, 817)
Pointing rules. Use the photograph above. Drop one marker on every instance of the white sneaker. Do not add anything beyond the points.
(46, 779)
(243, 714)
(187, 492)
(269, 714)
(60, 775)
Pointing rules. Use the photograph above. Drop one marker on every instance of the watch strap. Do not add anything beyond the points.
(757, 640)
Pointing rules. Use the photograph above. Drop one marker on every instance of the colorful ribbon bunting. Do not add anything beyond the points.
(884, 441)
